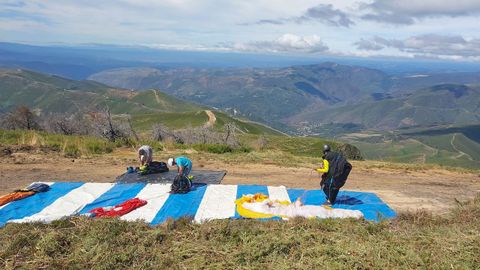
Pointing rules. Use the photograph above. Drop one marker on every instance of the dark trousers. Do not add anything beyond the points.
(331, 189)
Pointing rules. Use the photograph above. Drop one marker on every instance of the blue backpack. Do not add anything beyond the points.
(38, 187)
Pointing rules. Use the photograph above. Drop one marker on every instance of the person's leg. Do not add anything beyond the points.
(333, 194)
(187, 170)
(327, 189)
(186, 173)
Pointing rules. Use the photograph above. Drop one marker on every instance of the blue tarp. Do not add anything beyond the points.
(180, 205)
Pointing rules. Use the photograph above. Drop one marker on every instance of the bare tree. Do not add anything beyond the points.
(230, 137)
(262, 142)
(197, 135)
(163, 133)
(21, 118)
(66, 124)
(160, 132)
(202, 135)
(104, 126)
(131, 130)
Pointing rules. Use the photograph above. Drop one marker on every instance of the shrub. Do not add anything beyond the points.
(213, 148)
(243, 149)
(71, 151)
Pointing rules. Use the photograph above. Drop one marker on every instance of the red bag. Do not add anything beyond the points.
(118, 210)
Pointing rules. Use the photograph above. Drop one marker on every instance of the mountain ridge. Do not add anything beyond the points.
(53, 94)
(295, 94)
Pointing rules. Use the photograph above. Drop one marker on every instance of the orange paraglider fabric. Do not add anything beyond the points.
(15, 196)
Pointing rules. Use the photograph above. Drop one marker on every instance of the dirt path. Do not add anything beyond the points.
(434, 190)
(211, 118)
(461, 153)
(159, 100)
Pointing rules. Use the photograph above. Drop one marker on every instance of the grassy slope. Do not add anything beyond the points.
(245, 127)
(52, 98)
(413, 151)
(442, 104)
(425, 145)
(170, 119)
(160, 101)
(299, 146)
(467, 146)
(416, 240)
(56, 94)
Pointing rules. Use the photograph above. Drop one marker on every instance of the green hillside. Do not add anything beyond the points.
(268, 95)
(53, 94)
(448, 146)
(438, 105)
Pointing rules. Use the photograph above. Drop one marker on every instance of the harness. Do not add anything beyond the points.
(332, 174)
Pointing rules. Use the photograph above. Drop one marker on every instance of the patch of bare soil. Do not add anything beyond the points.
(211, 118)
(403, 190)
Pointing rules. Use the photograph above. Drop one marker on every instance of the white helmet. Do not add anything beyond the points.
(170, 162)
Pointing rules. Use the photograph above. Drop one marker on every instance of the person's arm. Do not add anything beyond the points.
(142, 161)
(180, 170)
(325, 167)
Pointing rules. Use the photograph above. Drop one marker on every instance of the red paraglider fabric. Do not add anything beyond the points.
(118, 210)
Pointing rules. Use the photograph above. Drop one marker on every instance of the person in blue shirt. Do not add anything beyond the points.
(184, 165)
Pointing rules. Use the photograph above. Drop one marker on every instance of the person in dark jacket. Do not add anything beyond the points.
(335, 171)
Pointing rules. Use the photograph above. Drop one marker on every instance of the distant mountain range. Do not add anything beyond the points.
(308, 97)
(437, 105)
(261, 94)
(290, 93)
(80, 61)
(52, 94)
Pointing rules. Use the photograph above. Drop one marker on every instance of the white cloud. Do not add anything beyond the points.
(286, 43)
(210, 24)
(453, 47)
(409, 11)
(323, 13)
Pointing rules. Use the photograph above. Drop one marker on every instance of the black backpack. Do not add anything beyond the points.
(155, 167)
(181, 184)
(339, 167)
(35, 187)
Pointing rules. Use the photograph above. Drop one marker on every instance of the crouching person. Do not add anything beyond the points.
(145, 155)
(184, 166)
(183, 181)
(335, 171)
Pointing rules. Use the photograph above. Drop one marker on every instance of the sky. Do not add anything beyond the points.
(432, 29)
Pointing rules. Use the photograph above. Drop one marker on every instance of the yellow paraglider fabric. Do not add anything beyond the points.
(259, 197)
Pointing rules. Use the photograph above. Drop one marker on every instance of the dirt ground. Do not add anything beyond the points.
(433, 190)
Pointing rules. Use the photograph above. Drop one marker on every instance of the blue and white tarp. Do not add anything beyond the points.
(204, 202)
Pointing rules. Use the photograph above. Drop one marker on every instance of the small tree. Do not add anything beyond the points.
(262, 142)
(104, 126)
(21, 118)
(66, 124)
(163, 133)
(230, 137)
(202, 135)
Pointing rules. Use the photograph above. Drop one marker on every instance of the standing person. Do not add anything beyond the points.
(335, 171)
(145, 155)
(184, 166)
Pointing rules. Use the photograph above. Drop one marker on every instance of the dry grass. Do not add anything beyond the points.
(413, 240)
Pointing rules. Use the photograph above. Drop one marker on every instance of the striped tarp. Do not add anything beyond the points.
(204, 202)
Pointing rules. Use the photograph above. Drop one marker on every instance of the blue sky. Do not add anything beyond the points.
(426, 29)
